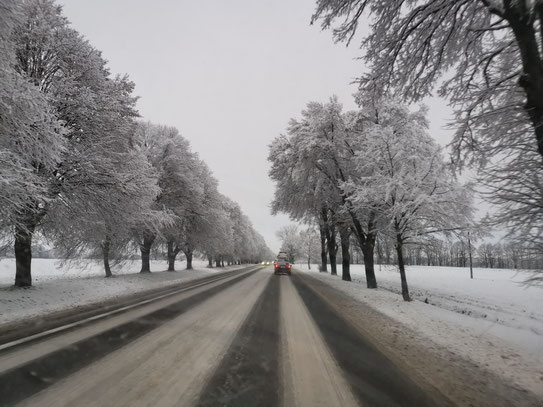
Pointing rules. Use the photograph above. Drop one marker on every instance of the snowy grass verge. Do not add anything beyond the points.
(59, 287)
(494, 320)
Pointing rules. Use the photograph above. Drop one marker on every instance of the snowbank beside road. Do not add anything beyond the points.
(59, 287)
(493, 320)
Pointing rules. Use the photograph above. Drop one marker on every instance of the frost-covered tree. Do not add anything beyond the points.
(220, 241)
(242, 231)
(173, 165)
(321, 152)
(300, 191)
(491, 47)
(486, 58)
(290, 241)
(198, 213)
(514, 253)
(309, 244)
(193, 215)
(459, 253)
(105, 230)
(91, 105)
(258, 248)
(75, 164)
(31, 147)
(405, 180)
(234, 240)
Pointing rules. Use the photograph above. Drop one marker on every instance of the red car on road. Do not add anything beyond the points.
(282, 265)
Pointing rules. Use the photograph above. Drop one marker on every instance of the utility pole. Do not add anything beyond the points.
(470, 263)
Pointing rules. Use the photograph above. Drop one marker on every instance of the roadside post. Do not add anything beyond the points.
(470, 262)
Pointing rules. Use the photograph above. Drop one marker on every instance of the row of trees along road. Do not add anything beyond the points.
(456, 253)
(364, 173)
(486, 58)
(79, 168)
(303, 245)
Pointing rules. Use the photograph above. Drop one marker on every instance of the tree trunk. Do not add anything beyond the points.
(217, 262)
(324, 260)
(209, 262)
(105, 252)
(23, 256)
(345, 234)
(531, 79)
(369, 265)
(222, 262)
(173, 251)
(401, 266)
(171, 258)
(366, 241)
(330, 233)
(145, 250)
(188, 255)
(332, 250)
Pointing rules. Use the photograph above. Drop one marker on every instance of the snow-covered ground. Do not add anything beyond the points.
(57, 287)
(494, 320)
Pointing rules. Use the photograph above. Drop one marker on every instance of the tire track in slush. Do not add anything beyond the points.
(248, 375)
(374, 379)
(311, 375)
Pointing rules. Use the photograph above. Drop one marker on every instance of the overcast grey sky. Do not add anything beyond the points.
(229, 75)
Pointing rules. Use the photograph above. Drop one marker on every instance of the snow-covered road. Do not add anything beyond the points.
(250, 338)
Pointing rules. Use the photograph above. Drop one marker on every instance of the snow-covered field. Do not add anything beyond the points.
(494, 320)
(57, 287)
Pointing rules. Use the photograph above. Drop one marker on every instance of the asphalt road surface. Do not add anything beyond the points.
(244, 338)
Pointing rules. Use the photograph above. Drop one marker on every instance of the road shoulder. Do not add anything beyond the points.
(66, 312)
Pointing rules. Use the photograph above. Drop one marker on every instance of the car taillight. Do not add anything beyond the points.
(288, 266)
(277, 265)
